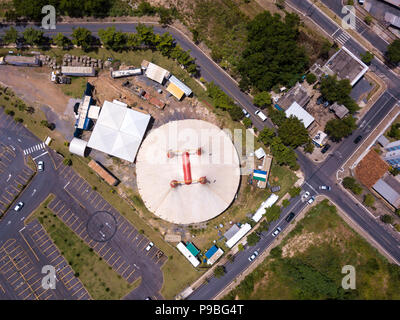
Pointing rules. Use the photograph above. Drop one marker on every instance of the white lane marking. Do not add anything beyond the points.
(40, 155)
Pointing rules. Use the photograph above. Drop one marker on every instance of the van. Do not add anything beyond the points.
(261, 115)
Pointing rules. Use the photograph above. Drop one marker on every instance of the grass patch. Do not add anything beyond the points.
(308, 262)
(76, 88)
(95, 274)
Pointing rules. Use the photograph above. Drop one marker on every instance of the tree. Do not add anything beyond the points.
(311, 78)
(285, 203)
(293, 132)
(219, 271)
(272, 54)
(272, 213)
(247, 122)
(387, 219)
(283, 155)
(262, 99)
(394, 131)
(394, 171)
(368, 19)
(294, 191)
(309, 147)
(276, 116)
(240, 247)
(367, 57)
(252, 239)
(10, 36)
(165, 16)
(338, 129)
(351, 184)
(266, 135)
(113, 39)
(276, 252)
(33, 36)
(67, 162)
(325, 48)
(82, 37)
(393, 51)
(61, 41)
(369, 200)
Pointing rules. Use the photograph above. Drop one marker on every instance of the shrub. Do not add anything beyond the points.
(351, 184)
(311, 78)
(252, 239)
(247, 122)
(285, 203)
(67, 161)
(294, 191)
(219, 271)
(387, 218)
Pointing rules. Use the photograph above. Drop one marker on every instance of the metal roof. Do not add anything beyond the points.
(78, 70)
(156, 73)
(193, 250)
(180, 85)
(211, 252)
(78, 146)
(387, 192)
(296, 110)
(175, 91)
(231, 232)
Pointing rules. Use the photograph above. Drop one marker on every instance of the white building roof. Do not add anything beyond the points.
(300, 113)
(119, 131)
(260, 153)
(215, 256)
(78, 146)
(266, 204)
(94, 112)
(156, 73)
(319, 137)
(126, 73)
(180, 85)
(239, 235)
(187, 254)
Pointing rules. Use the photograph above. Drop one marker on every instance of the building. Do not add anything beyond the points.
(259, 153)
(392, 157)
(244, 228)
(395, 3)
(383, 141)
(78, 146)
(319, 139)
(263, 173)
(22, 61)
(392, 19)
(119, 131)
(346, 66)
(231, 232)
(393, 146)
(187, 171)
(177, 88)
(213, 254)
(103, 173)
(82, 121)
(155, 72)
(340, 110)
(388, 189)
(126, 73)
(371, 168)
(296, 110)
(78, 71)
(296, 94)
(266, 204)
(187, 254)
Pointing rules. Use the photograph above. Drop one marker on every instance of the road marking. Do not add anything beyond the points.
(40, 155)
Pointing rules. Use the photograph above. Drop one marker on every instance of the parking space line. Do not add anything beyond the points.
(69, 272)
(130, 274)
(59, 210)
(106, 252)
(110, 257)
(116, 261)
(77, 290)
(122, 273)
(43, 243)
(55, 258)
(69, 218)
(83, 182)
(83, 230)
(41, 237)
(64, 213)
(123, 262)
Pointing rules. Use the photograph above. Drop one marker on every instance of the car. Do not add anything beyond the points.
(253, 256)
(326, 103)
(325, 148)
(311, 200)
(361, 2)
(149, 246)
(276, 232)
(290, 217)
(357, 140)
(320, 100)
(19, 206)
(40, 165)
(262, 116)
(306, 194)
(325, 188)
(148, 298)
(275, 188)
(246, 114)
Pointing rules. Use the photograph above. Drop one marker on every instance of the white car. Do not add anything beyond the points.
(253, 256)
(311, 200)
(149, 246)
(276, 232)
(246, 114)
(40, 165)
(306, 194)
(361, 1)
(325, 188)
(19, 206)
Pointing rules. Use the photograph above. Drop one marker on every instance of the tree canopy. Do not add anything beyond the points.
(33, 36)
(113, 39)
(338, 129)
(10, 36)
(262, 99)
(292, 132)
(82, 37)
(393, 51)
(272, 55)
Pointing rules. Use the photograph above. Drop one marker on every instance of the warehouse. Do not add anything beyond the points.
(126, 73)
(78, 146)
(155, 72)
(244, 228)
(266, 204)
(213, 254)
(296, 110)
(22, 61)
(103, 173)
(177, 88)
(78, 71)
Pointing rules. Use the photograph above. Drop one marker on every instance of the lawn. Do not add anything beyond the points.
(76, 88)
(308, 263)
(97, 276)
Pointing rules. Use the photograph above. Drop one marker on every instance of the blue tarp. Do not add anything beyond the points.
(278, 107)
(211, 252)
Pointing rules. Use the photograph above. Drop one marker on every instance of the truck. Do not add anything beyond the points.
(262, 116)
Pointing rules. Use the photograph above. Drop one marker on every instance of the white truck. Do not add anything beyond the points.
(261, 115)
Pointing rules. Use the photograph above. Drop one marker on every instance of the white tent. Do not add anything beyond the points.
(78, 146)
(119, 131)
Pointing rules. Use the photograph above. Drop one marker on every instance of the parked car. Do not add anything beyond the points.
(261, 115)
(275, 188)
(361, 2)
(326, 103)
(290, 217)
(246, 114)
(19, 206)
(311, 200)
(253, 256)
(357, 140)
(149, 246)
(325, 148)
(40, 165)
(276, 232)
(320, 100)
(325, 188)
(306, 194)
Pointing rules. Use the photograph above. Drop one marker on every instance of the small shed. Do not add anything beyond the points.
(192, 248)
(78, 146)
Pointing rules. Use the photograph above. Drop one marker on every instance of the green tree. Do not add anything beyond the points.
(293, 132)
(67, 162)
(165, 16)
(61, 41)
(369, 200)
(11, 36)
(294, 191)
(266, 135)
(262, 99)
(367, 57)
(276, 252)
(247, 122)
(113, 39)
(351, 184)
(309, 146)
(394, 131)
(338, 129)
(311, 78)
(240, 247)
(82, 37)
(368, 19)
(283, 155)
(276, 116)
(33, 36)
(285, 203)
(219, 271)
(393, 51)
(272, 213)
(387, 219)
(325, 48)
(252, 239)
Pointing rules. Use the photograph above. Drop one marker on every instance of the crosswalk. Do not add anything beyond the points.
(39, 146)
(342, 38)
